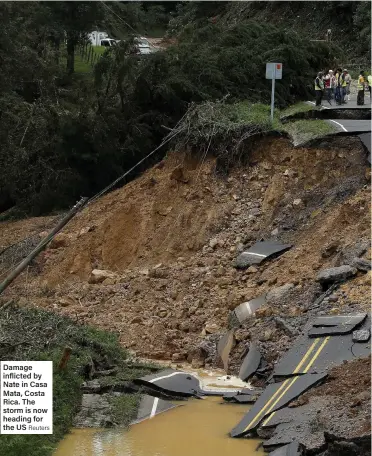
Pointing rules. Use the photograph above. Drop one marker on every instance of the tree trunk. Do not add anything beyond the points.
(57, 43)
(70, 56)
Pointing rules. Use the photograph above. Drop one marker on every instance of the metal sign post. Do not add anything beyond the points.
(273, 71)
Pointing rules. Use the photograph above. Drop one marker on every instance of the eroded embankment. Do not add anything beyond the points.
(190, 223)
(167, 241)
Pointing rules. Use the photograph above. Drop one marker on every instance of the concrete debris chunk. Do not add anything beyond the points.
(339, 274)
(361, 335)
(275, 295)
(99, 275)
(361, 264)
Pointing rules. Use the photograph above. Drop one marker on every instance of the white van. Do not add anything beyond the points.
(96, 37)
(143, 45)
(108, 42)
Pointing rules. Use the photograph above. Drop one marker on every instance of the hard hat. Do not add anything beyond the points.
(345, 70)
(330, 71)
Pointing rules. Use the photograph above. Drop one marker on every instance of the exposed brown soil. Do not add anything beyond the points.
(170, 238)
(167, 242)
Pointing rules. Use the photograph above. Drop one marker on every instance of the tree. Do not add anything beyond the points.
(74, 20)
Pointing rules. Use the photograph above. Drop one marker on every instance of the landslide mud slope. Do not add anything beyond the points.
(168, 240)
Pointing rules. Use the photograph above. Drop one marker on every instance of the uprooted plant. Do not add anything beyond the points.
(222, 129)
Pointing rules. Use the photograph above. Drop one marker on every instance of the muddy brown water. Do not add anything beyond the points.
(197, 428)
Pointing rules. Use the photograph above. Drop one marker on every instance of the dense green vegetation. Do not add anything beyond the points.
(65, 133)
(38, 335)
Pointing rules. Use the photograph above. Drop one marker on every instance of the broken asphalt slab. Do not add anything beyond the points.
(366, 141)
(259, 252)
(250, 363)
(292, 449)
(172, 383)
(245, 396)
(335, 325)
(224, 347)
(317, 354)
(152, 406)
(338, 274)
(246, 309)
(275, 396)
(287, 424)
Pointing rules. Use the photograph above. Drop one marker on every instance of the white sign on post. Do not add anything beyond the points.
(273, 71)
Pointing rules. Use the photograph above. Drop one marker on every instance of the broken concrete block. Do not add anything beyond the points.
(99, 275)
(361, 335)
(278, 293)
(361, 264)
(211, 328)
(339, 274)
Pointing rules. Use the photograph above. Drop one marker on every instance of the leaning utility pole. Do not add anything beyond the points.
(24, 263)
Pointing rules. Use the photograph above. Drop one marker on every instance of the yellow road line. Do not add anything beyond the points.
(288, 383)
(284, 384)
(317, 354)
(307, 354)
(311, 362)
(268, 419)
(283, 393)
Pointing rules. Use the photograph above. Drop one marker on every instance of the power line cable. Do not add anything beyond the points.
(126, 23)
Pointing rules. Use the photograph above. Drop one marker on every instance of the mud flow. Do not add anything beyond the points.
(198, 428)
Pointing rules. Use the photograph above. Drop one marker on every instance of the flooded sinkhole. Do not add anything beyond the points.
(197, 428)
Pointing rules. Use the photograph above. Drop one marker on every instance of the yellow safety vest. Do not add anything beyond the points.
(360, 83)
(344, 83)
(370, 80)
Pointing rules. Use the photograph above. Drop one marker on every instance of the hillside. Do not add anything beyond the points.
(169, 239)
(346, 20)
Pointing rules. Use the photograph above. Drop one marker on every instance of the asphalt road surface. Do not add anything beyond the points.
(351, 125)
(352, 104)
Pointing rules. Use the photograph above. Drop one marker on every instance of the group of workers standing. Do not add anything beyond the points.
(336, 86)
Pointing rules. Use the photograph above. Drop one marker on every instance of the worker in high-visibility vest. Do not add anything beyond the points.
(329, 85)
(369, 78)
(319, 87)
(346, 84)
(338, 86)
(360, 87)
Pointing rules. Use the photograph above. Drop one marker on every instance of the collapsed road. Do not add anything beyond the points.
(327, 341)
(203, 308)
